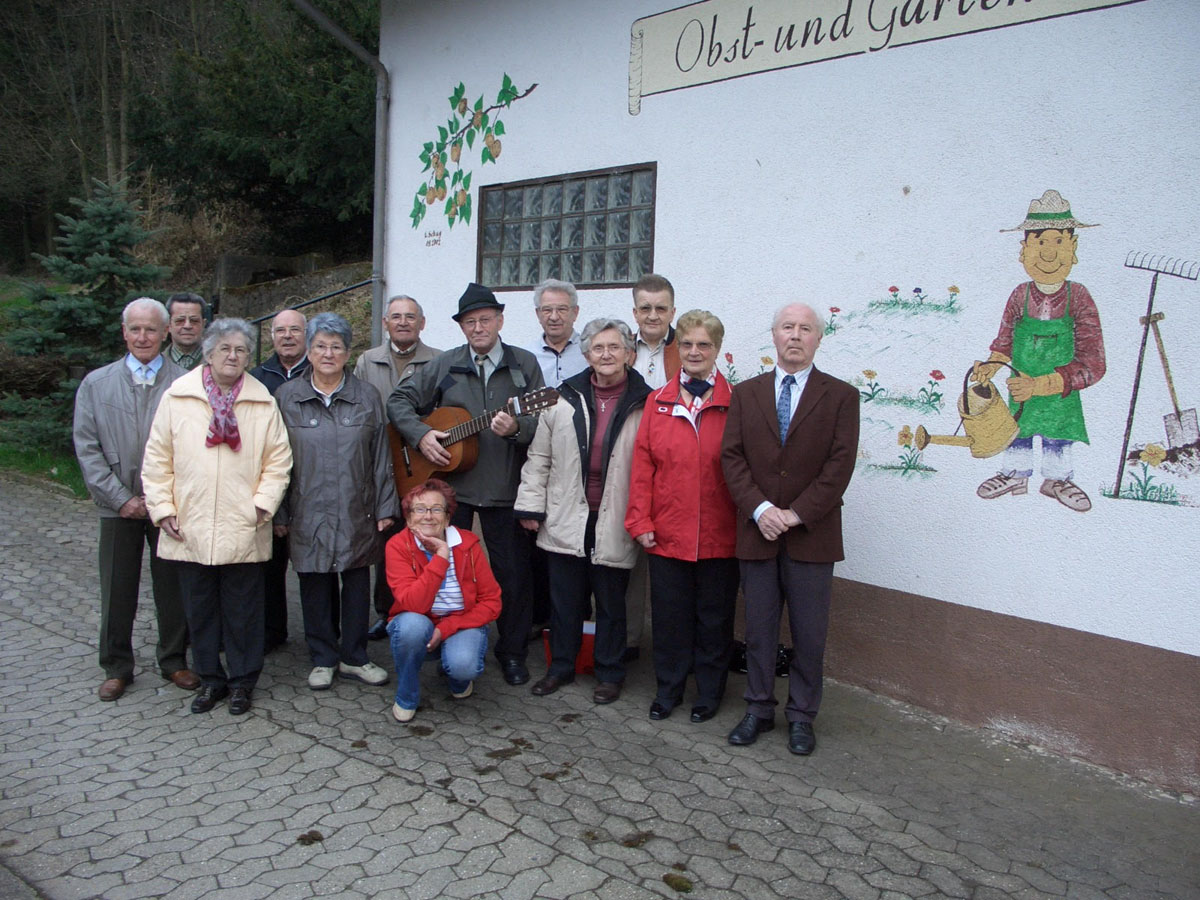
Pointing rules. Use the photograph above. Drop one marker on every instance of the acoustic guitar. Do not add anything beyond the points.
(409, 465)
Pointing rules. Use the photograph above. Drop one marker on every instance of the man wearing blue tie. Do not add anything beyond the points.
(114, 407)
(788, 453)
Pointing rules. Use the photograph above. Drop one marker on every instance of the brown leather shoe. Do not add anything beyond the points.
(606, 692)
(184, 678)
(112, 688)
(550, 684)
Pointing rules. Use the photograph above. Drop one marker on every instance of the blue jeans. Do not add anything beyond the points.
(462, 655)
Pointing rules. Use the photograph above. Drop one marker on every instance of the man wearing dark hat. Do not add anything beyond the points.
(480, 376)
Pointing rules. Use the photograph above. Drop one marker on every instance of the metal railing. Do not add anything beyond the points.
(257, 322)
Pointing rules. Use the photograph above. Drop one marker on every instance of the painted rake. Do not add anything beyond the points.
(1159, 264)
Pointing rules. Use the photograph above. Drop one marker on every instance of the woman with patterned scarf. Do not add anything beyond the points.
(215, 470)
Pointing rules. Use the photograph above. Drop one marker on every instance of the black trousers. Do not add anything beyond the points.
(539, 584)
(275, 613)
(320, 600)
(224, 607)
(121, 544)
(508, 546)
(573, 581)
(383, 593)
(691, 620)
(806, 589)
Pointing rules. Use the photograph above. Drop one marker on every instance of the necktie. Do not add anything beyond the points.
(143, 375)
(479, 361)
(783, 408)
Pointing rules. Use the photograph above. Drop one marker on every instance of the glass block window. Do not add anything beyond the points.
(593, 229)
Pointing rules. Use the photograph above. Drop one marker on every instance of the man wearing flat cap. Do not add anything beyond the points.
(482, 375)
(1050, 334)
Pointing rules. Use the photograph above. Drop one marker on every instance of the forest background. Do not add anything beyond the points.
(143, 139)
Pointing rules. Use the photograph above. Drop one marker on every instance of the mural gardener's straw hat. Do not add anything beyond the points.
(1052, 211)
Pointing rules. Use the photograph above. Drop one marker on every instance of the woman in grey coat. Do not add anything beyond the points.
(341, 498)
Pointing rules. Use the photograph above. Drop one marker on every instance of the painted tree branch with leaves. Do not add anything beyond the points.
(465, 125)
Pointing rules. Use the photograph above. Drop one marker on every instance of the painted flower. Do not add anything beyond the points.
(893, 290)
(729, 358)
(1153, 455)
(835, 309)
(916, 290)
(937, 375)
(870, 373)
(767, 361)
(953, 289)
(905, 437)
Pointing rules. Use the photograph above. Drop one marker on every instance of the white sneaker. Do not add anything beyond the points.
(466, 693)
(367, 672)
(320, 678)
(400, 714)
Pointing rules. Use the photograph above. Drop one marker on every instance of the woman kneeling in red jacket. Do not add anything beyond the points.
(444, 597)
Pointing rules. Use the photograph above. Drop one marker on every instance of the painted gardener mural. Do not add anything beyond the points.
(1050, 333)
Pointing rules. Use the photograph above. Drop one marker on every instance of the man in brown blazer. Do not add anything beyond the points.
(788, 491)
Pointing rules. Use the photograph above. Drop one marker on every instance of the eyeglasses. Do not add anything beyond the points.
(226, 350)
(322, 349)
(562, 311)
(606, 349)
(482, 321)
(426, 510)
(702, 346)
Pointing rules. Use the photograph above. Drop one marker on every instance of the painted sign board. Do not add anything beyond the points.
(715, 40)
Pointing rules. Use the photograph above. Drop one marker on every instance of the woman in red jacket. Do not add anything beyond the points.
(681, 512)
(444, 596)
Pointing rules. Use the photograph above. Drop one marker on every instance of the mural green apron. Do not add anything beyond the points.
(1040, 346)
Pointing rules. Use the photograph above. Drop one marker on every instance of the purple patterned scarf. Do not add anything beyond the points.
(223, 429)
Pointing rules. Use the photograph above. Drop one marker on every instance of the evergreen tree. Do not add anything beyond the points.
(81, 328)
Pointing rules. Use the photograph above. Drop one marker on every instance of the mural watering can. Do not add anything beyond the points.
(988, 425)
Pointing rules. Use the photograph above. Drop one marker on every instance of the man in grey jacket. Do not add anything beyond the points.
(114, 407)
(402, 352)
(481, 376)
(397, 359)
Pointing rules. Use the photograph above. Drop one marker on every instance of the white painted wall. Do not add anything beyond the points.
(831, 182)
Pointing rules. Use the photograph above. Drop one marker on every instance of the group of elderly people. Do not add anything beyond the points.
(614, 468)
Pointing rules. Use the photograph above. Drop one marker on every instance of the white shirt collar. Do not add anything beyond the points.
(132, 363)
(453, 538)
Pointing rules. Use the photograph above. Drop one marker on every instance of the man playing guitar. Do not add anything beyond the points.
(482, 375)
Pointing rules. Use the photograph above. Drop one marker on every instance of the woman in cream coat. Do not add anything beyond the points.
(574, 490)
(215, 470)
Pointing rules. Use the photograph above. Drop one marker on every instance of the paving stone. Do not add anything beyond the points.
(507, 796)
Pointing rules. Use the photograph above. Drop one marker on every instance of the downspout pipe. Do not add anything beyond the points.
(382, 98)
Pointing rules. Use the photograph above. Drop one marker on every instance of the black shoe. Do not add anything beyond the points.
(703, 713)
(659, 711)
(550, 684)
(239, 701)
(378, 631)
(514, 671)
(209, 696)
(273, 644)
(746, 732)
(631, 654)
(801, 739)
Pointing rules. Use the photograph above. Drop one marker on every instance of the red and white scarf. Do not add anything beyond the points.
(223, 429)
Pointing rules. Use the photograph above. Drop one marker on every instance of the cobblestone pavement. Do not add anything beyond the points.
(509, 796)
